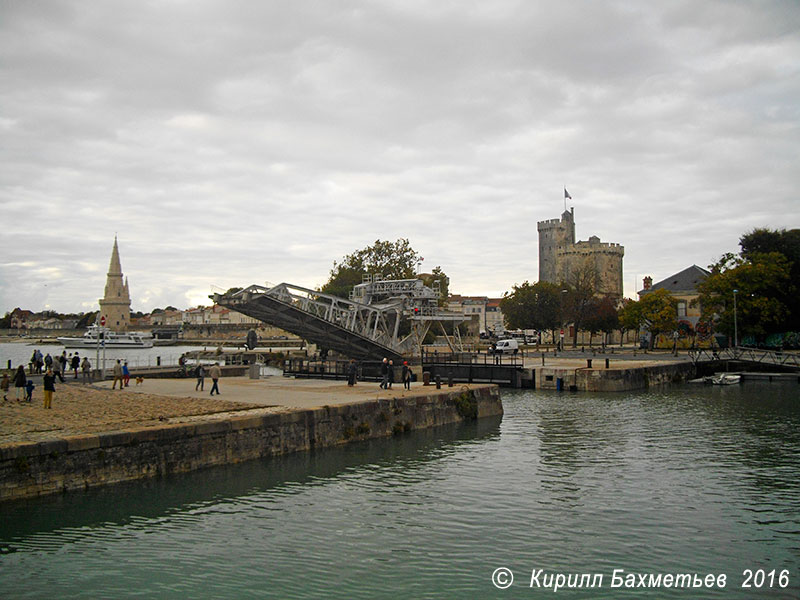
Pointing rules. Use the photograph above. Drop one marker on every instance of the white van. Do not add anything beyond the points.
(507, 347)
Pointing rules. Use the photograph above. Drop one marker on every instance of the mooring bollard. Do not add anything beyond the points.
(426, 378)
(438, 382)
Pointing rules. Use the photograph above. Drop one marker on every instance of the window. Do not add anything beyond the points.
(681, 308)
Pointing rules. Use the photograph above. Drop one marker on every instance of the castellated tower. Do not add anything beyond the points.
(554, 236)
(560, 255)
(115, 306)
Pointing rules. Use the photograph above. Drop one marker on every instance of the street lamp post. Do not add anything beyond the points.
(735, 323)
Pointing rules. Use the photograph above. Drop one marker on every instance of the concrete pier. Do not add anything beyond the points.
(269, 417)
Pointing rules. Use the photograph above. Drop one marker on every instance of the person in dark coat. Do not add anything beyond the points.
(201, 377)
(20, 381)
(49, 381)
(352, 370)
(75, 364)
(391, 373)
(405, 376)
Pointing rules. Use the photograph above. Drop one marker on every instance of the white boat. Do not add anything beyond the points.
(726, 379)
(109, 339)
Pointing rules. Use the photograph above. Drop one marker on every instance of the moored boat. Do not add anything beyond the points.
(726, 379)
(110, 339)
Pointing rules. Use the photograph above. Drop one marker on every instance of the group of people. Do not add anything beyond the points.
(387, 375)
(25, 386)
(60, 365)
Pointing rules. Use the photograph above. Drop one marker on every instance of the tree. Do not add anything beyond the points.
(392, 260)
(431, 278)
(760, 282)
(657, 312)
(581, 286)
(602, 316)
(532, 306)
(786, 243)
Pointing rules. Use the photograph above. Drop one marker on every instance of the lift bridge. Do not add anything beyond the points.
(382, 318)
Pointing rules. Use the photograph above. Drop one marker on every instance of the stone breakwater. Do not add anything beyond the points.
(29, 469)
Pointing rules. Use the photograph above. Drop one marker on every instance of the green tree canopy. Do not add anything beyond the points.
(392, 260)
(657, 312)
(532, 306)
(760, 281)
(786, 243)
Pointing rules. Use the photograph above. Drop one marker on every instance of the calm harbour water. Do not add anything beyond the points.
(683, 479)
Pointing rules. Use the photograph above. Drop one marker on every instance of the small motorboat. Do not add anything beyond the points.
(726, 379)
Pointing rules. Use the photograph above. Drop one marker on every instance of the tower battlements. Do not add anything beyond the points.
(560, 255)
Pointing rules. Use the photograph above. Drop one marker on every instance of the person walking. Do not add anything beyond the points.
(117, 376)
(19, 381)
(405, 376)
(86, 369)
(63, 360)
(49, 381)
(48, 361)
(200, 372)
(384, 374)
(4, 385)
(126, 374)
(76, 363)
(29, 387)
(391, 374)
(215, 372)
(57, 369)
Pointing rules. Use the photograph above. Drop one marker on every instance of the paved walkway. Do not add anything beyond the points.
(275, 390)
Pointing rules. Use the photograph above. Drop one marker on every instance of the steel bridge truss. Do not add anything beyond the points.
(358, 329)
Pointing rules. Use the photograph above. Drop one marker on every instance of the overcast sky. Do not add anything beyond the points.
(229, 143)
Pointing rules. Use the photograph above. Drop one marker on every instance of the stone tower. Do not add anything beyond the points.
(554, 235)
(560, 255)
(115, 306)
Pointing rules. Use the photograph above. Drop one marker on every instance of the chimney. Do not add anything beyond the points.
(648, 282)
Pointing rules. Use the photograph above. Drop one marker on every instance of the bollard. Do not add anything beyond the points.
(588, 363)
(450, 379)
(438, 382)
(606, 363)
(426, 378)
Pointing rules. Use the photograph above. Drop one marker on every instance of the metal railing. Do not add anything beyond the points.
(768, 357)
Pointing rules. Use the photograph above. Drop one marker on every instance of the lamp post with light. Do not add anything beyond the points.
(735, 323)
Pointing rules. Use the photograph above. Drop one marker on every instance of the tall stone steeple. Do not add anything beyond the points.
(115, 306)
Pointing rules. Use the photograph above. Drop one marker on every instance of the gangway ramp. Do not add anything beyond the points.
(364, 330)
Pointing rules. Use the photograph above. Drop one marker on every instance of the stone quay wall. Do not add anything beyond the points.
(78, 462)
(598, 379)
